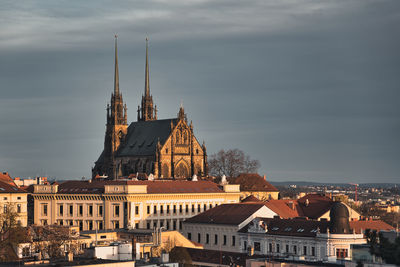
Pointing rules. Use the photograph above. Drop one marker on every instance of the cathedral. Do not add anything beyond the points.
(166, 148)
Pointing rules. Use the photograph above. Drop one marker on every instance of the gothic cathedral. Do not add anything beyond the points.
(165, 148)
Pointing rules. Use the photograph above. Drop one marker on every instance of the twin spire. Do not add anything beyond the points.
(147, 111)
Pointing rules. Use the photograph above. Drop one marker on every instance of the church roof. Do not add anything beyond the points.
(143, 136)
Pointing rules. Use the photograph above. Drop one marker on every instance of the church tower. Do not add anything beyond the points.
(117, 126)
(147, 112)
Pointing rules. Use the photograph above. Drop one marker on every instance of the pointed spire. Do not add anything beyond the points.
(116, 74)
(147, 78)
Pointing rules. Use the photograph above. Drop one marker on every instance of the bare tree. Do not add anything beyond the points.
(11, 232)
(231, 163)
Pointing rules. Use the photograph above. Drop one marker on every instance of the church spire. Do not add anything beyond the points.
(116, 74)
(147, 111)
(147, 78)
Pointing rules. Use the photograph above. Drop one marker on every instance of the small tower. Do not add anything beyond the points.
(147, 111)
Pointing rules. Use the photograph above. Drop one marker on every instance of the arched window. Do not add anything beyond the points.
(182, 170)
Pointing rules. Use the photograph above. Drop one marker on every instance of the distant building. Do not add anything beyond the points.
(165, 148)
(13, 198)
(255, 185)
(146, 204)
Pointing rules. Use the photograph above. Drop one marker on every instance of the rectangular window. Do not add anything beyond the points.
(90, 225)
(148, 209)
(136, 225)
(180, 208)
(137, 210)
(270, 247)
(187, 208)
(257, 246)
(207, 239)
(19, 198)
(192, 207)
(148, 225)
(190, 236)
(80, 210)
(71, 223)
(167, 225)
(278, 248)
(155, 209)
(224, 240)
(205, 207)
(61, 222)
(100, 225)
(161, 223)
(198, 208)
(61, 210)
(90, 210)
(161, 209)
(216, 239)
(80, 223)
(154, 224)
(167, 209)
(295, 250)
(19, 208)
(245, 245)
(180, 224)
(116, 224)
(100, 210)
(45, 209)
(199, 237)
(304, 250)
(174, 208)
(287, 249)
(116, 211)
(233, 241)
(313, 251)
(70, 210)
(174, 225)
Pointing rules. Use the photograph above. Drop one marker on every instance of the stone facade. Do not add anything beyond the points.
(165, 148)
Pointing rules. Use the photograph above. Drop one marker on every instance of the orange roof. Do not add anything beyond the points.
(285, 208)
(9, 188)
(377, 225)
(5, 177)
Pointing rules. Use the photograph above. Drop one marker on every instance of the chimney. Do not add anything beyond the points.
(265, 177)
(291, 205)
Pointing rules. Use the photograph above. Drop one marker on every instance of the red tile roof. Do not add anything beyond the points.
(377, 225)
(252, 182)
(153, 187)
(231, 214)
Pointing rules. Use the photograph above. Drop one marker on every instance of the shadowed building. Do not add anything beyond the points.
(165, 148)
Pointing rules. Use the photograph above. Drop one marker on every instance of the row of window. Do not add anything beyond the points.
(70, 210)
(278, 249)
(215, 240)
(174, 209)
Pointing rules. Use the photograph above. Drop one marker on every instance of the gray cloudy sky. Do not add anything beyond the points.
(308, 87)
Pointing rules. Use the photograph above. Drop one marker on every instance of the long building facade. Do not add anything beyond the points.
(127, 204)
(165, 148)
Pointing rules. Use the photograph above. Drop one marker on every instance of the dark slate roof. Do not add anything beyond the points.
(291, 227)
(8, 188)
(143, 136)
(230, 214)
(153, 187)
